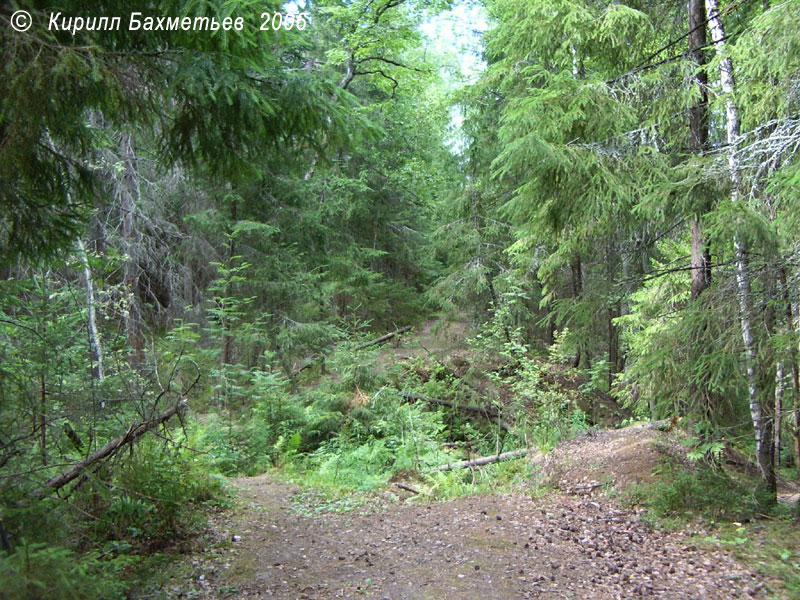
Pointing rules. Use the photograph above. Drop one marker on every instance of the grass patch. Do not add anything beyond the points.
(728, 506)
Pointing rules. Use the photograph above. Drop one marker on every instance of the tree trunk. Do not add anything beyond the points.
(128, 197)
(227, 334)
(779, 386)
(614, 359)
(134, 432)
(385, 337)
(577, 292)
(482, 461)
(95, 347)
(42, 424)
(95, 343)
(698, 142)
(698, 123)
(795, 370)
(701, 260)
(761, 423)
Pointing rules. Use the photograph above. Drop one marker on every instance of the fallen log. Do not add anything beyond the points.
(662, 425)
(488, 412)
(385, 337)
(110, 449)
(477, 462)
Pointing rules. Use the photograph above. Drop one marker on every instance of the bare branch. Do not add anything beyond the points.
(389, 61)
(110, 449)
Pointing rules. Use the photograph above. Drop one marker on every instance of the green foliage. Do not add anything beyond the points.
(52, 80)
(663, 330)
(38, 571)
(377, 442)
(545, 409)
(702, 489)
(261, 204)
(511, 476)
(703, 445)
(160, 490)
(769, 545)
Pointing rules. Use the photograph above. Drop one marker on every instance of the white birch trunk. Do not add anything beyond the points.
(96, 347)
(761, 424)
(794, 326)
(94, 332)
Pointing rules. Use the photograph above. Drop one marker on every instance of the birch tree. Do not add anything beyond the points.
(762, 424)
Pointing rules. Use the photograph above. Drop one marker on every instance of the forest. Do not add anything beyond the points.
(361, 245)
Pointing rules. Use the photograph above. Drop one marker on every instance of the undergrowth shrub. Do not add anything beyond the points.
(247, 447)
(548, 411)
(252, 440)
(362, 466)
(154, 498)
(36, 571)
(699, 490)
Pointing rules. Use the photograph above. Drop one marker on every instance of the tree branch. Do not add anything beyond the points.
(110, 449)
(395, 83)
(385, 337)
(389, 5)
(392, 62)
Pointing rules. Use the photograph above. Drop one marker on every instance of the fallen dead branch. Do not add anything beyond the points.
(384, 338)
(110, 449)
(662, 425)
(477, 462)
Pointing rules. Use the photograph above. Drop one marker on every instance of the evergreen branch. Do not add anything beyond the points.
(665, 61)
(661, 273)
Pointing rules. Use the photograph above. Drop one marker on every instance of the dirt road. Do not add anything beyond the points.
(475, 548)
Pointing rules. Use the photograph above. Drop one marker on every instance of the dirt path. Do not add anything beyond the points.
(476, 548)
(285, 542)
